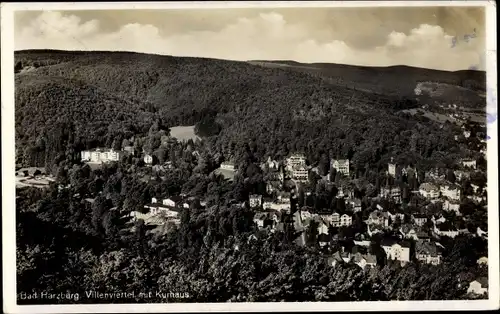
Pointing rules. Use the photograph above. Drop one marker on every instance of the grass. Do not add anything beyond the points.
(183, 133)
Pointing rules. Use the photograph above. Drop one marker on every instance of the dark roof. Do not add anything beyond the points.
(323, 237)
(175, 198)
(419, 216)
(268, 222)
(378, 214)
(407, 228)
(335, 257)
(405, 243)
(357, 257)
(426, 248)
(261, 215)
(392, 241)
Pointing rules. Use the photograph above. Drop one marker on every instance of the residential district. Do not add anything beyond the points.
(335, 229)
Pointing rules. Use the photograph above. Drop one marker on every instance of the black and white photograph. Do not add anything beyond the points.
(224, 155)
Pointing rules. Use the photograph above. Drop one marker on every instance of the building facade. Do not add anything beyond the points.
(427, 252)
(255, 200)
(341, 165)
(101, 155)
(398, 251)
(300, 174)
(469, 163)
(391, 193)
(148, 159)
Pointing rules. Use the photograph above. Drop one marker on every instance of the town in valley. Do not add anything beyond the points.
(201, 175)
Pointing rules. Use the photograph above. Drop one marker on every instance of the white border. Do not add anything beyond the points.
(8, 156)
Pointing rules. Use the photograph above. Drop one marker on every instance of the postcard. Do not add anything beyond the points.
(249, 156)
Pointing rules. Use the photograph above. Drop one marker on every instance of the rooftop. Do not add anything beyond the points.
(426, 248)
(378, 214)
(428, 187)
(393, 241)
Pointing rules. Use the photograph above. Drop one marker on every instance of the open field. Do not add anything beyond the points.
(38, 182)
(183, 133)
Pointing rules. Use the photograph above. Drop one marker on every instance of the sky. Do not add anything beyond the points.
(376, 36)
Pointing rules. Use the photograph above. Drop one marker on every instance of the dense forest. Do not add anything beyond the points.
(270, 111)
(77, 234)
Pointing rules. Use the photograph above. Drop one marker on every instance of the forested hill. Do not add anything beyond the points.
(66, 101)
(393, 80)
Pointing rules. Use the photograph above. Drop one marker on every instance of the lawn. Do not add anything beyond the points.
(183, 133)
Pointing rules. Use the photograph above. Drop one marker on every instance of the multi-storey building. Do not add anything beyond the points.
(427, 252)
(296, 160)
(255, 200)
(429, 190)
(391, 193)
(101, 155)
(341, 165)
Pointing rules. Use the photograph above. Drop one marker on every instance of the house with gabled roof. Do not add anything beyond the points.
(428, 253)
(345, 220)
(341, 165)
(168, 206)
(300, 173)
(354, 204)
(322, 227)
(423, 236)
(392, 193)
(364, 260)
(255, 200)
(452, 206)
(396, 250)
(461, 175)
(435, 174)
(446, 230)
(429, 190)
(408, 231)
(335, 259)
(478, 286)
(378, 217)
(333, 219)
